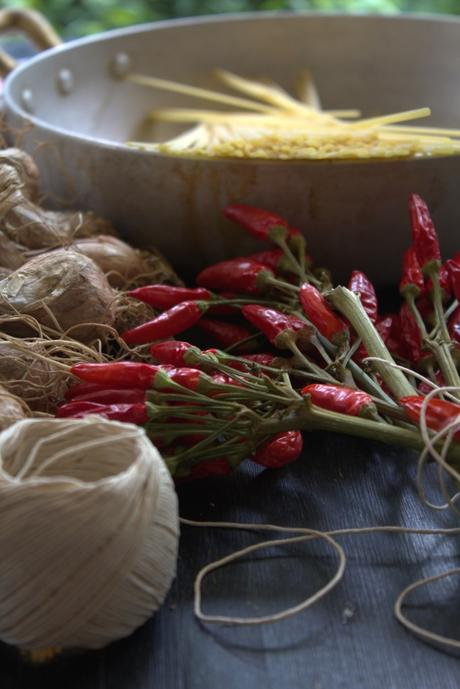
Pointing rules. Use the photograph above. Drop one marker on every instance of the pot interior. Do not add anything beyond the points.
(376, 64)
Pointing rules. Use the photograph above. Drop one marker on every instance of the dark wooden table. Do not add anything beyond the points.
(350, 640)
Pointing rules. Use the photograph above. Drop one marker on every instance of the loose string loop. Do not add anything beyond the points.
(307, 534)
(422, 632)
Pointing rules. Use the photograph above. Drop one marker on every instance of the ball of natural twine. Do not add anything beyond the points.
(89, 535)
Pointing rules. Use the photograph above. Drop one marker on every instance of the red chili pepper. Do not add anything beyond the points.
(226, 334)
(213, 352)
(424, 236)
(439, 413)
(79, 389)
(117, 374)
(280, 450)
(115, 396)
(321, 315)
(445, 281)
(389, 328)
(280, 328)
(271, 258)
(384, 326)
(453, 267)
(260, 223)
(175, 353)
(361, 285)
(412, 282)
(78, 407)
(165, 296)
(167, 324)
(262, 358)
(128, 413)
(226, 379)
(340, 399)
(454, 326)
(190, 378)
(410, 336)
(237, 274)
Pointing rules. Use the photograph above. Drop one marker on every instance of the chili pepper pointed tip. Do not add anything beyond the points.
(424, 234)
(260, 223)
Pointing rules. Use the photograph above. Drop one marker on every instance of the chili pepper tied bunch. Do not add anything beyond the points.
(294, 355)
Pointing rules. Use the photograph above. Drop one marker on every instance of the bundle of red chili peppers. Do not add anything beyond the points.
(296, 355)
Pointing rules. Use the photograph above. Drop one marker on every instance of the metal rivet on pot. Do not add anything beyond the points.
(65, 81)
(27, 100)
(120, 65)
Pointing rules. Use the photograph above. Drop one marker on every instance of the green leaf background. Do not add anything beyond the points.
(74, 18)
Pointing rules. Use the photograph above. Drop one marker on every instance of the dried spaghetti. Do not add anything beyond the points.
(276, 126)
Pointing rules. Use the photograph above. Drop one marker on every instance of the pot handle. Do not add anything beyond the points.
(33, 25)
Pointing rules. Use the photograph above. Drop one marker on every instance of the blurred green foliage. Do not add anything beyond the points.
(73, 18)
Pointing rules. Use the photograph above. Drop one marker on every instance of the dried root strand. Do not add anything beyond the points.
(30, 375)
(158, 270)
(36, 369)
(129, 312)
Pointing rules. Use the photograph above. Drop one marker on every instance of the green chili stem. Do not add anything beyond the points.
(350, 306)
(443, 345)
(438, 307)
(293, 261)
(418, 318)
(246, 394)
(206, 441)
(437, 344)
(357, 372)
(369, 384)
(242, 376)
(202, 399)
(280, 284)
(324, 375)
(311, 418)
(249, 362)
(319, 347)
(448, 313)
(296, 265)
(243, 300)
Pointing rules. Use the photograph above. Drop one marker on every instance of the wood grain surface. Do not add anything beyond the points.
(350, 640)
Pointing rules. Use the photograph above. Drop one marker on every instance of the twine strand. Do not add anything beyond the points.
(311, 534)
